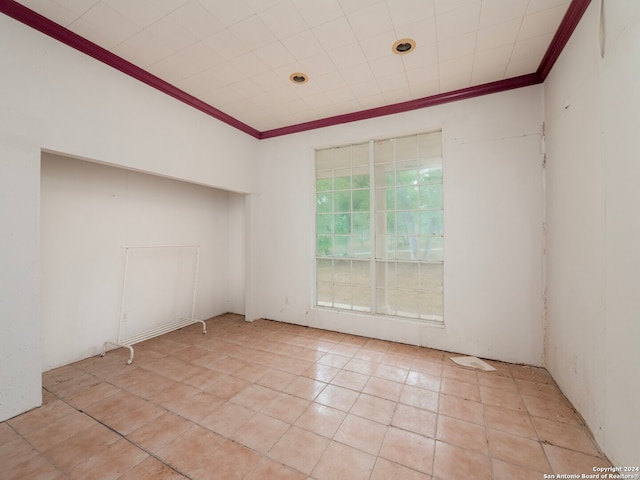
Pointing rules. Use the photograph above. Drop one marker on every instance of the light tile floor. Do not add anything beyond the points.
(267, 400)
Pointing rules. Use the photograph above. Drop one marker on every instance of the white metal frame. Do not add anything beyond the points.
(127, 342)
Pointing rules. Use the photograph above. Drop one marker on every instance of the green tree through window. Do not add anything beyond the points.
(379, 227)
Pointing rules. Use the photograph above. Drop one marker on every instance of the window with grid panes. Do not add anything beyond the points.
(379, 227)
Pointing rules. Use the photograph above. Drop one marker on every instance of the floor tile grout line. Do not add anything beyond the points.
(124, 437)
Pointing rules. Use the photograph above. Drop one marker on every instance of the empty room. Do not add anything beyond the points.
(319, 239)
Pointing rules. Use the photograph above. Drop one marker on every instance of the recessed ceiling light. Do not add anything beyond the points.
(298, 77)
(403, 46)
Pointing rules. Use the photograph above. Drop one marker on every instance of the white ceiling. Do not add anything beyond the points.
(237, 55)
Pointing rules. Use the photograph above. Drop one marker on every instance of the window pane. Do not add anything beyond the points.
(407, 173)
(386, 275)
(342, 179)
(341, 246)
(324, 202)
(361, 224)
(324, 184)
(360, 176)
(324, 270)
(324, 159)
(430, 144)
(408, 275)
(407, 147)
(324, 224)
(361, 272)
(407, 219)
(407, 197)
(342, 201)
(407, 222)
(324, 246)
(360, 154)
(431, 171)
(408, 303)
(361, 200)
(342, 297)
(385, 175)
(342, 271)
(384, 151)
(431, 222)
(362, 298)
(342, 223)
(433, 250)
(431, 196)
(342, 157)
(430, 277)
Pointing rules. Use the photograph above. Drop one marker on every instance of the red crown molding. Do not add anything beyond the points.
(465, 93)
(42, 24)
(567, 26)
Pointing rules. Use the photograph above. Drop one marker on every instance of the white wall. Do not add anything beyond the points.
(89, 212)
(57, 99)
(593, 164)
(493, 227)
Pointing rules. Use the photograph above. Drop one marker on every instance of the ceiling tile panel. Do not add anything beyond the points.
(334, 34)
(455, 47)
(422, 31)
(262, 5)
(274, 55)
(379, 46)
(391, 65)
(227, 45)
(444, 6)
(538, 5)
(396, 96)
(202, 55)
(372, 101)
(543, 22)
(393, 82)
(78, 7)
(495, 12)
(269, 80)
(316, 13)
(197, 20)
(347, 55)
(253, 32)
(144, 48)
(405, 12)
(228, 12)
(458, 67)
(498, 35)
(303, 45)
(428, 58)
(531, 47)
(331, 81)
(142, 12)
(172, 34)
(480, 76)
(358, 74)
(522, 66)
(495, 58)
(248, 64)
(283, 20)
(107, 27)
(174, 68)
(458, 22)
(201, 83)
(320, 64)
(349, 6)
(368, 21)
(57, 13)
